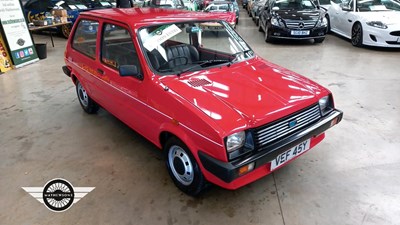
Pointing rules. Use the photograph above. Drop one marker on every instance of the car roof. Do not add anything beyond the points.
(139, 17)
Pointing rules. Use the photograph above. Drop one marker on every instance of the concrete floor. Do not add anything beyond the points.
(352, 177)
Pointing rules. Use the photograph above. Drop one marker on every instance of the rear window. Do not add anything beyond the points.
(85, 35)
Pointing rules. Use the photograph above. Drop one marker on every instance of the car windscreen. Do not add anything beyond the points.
(294, 4)
(378, 5)
(180, 47)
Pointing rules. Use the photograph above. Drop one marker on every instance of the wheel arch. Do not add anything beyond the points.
(169, 132)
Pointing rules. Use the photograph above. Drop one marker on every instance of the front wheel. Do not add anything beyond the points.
(183, 168)
(66, 30)
(88, 105)
(260, 26)
(267, 36)
(328, 28)
(357, 35)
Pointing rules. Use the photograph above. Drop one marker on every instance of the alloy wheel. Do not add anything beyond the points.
(356, 35)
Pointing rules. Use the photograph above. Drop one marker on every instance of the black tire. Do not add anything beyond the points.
(328, 28)
(357, 35)
(319, 40)
(183, 168)
(267, 36)
(88, 105)
(66, 30)
(257, 21)
(260, 29)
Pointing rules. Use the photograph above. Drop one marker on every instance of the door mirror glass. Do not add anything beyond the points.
(129, 71)
(346, 8)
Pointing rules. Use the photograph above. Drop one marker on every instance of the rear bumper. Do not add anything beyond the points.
(228, 172)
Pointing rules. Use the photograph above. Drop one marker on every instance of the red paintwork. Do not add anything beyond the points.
(244, 95)
(229, 17)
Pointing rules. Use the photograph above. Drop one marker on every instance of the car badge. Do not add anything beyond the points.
(301, 25)
(292, 123)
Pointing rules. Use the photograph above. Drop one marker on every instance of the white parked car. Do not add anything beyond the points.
(367, 22)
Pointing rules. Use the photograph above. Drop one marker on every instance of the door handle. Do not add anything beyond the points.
(100, 71)
(350, 20)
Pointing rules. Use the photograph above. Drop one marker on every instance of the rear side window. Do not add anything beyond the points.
(84, 39)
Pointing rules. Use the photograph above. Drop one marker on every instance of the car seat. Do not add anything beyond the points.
(179, 55)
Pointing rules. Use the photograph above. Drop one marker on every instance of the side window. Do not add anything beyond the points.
(85, 35)
(117, 47)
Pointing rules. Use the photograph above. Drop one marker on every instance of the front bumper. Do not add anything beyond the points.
(389, 37)
(229, 171)
(285, 33)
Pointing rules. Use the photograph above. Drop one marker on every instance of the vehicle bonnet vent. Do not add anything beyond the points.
(199, 82)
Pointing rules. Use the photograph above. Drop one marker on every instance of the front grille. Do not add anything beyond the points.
(395, 33)
(393, 43)
(300, 24)
(269, 133)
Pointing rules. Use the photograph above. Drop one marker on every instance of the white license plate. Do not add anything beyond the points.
(300, 32)
(286, 156)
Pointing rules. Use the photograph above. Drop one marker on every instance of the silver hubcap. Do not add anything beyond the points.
(180, 164)
(82, 95)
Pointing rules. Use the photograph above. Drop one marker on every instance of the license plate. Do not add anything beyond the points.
(287, 155)
(300, 32)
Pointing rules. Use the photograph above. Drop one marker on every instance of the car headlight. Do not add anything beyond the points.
(275, 22)
(377, 24)
(325, 104)
(323, 22)
(238, 144)
(235, 141)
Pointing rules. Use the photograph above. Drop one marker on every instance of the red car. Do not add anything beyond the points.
(220, 113)
(225, 11)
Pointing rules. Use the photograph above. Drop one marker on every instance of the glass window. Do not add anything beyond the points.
(117, 47)
(210, 44)
(84, 39)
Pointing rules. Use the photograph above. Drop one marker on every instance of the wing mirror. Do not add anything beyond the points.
(130, 71)
(346, 8)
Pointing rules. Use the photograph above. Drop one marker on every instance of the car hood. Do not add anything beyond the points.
(387, 17)
(248, 93)
(299, 15)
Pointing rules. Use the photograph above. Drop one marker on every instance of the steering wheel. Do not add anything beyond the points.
(174, 58)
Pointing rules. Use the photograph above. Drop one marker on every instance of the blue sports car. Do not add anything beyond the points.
(36, 9)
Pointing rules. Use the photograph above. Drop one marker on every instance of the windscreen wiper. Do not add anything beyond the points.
(235, 55)
(203, 63)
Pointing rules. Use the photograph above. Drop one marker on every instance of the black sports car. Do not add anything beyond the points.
(293, 19)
